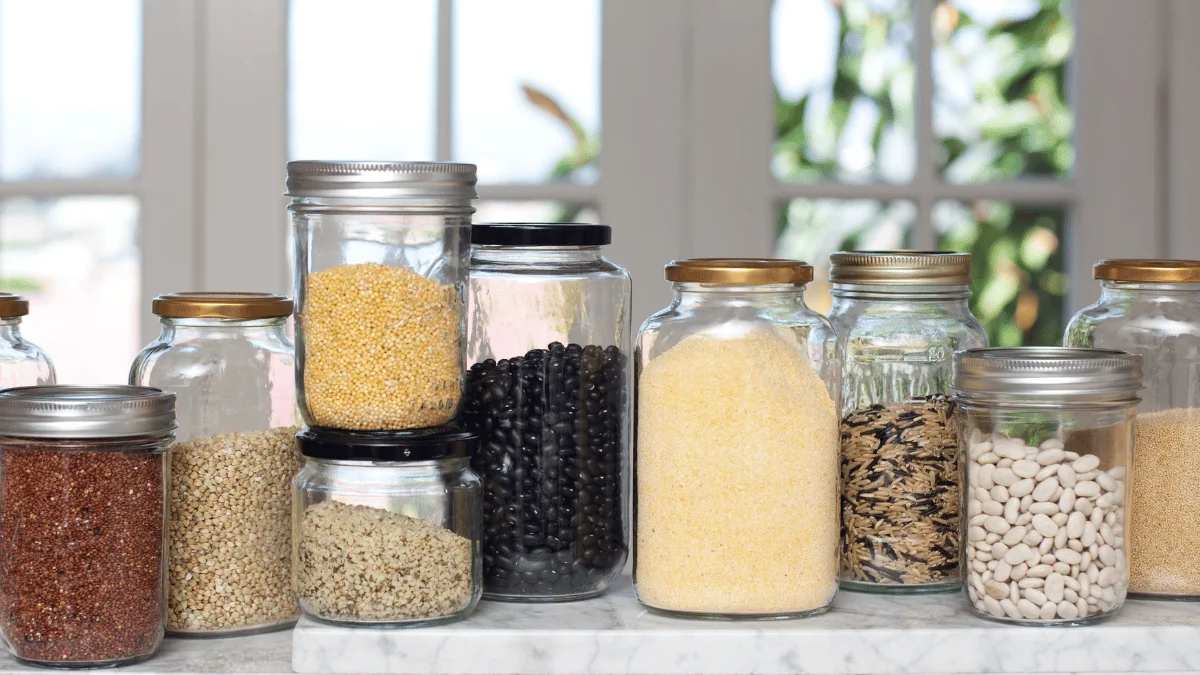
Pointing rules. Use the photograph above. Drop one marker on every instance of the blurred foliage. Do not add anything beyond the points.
(585, 153)
(1012, 122)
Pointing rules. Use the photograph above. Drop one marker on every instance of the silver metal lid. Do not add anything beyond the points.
(435, 181)
(73, 411)
(1047, 373)
(900, 268)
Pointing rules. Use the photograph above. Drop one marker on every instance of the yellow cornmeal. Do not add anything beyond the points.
(381, 348)
(737, 479)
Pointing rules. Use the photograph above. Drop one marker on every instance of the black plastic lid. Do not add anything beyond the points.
(540, 234)
(385, 446)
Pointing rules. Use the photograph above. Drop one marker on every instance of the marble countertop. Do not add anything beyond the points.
(269, 654)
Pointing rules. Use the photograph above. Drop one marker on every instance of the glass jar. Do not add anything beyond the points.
(387, 528)
(1152, 308)
(1048, 439)
(381, 254)
(22, 363)
(736, 460)
(899, 317)
(548, 333)
(83, 505)
(228, 360)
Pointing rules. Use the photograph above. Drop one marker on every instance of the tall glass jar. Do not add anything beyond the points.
(228, 360)
(1048, 434)
(899, 317)
(22, 363)
(387, 528)
(736, 459)
(381, 256)
(1152, 308)
(548, 336)
(83, 506)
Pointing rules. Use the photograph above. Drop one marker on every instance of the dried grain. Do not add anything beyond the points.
(900, 493)
(231, 531)
(737, 479)
(359, 563)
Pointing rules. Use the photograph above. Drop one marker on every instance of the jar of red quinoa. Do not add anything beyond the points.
(736, 461)
(83, 475)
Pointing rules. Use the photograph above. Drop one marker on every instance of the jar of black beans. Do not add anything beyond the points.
(548, 333)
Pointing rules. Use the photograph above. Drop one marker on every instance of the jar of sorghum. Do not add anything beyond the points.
(83, 477)
(1048, 440)
(548, 334)
(900, 316)
(387, 528)
(22, 363)
(1152, 308)
(229, 361)
(736, 459)
(381, 251)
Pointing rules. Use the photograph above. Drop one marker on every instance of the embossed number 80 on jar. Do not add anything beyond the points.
(1048, 434)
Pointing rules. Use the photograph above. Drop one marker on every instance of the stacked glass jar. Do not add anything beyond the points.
(900, 316)
(229, 362)
(1152, 308)
(381, 259)
(548, 337)
(22, 363)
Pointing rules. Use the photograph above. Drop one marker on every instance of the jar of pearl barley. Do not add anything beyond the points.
(1048, 434)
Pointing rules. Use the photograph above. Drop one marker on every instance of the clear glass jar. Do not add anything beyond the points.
(381, 256)
(1048, 434)
(548, 334)
(228, 360)
(22, 363)
(736, 458)
(387, 528)
(899, 317)
(1152, 308)
(83, 506)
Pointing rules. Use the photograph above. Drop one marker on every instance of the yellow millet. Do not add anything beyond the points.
(1164, 530)
(737, 479)
(381, 348)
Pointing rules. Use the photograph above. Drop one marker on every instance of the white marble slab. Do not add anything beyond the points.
(863, 634)
(268, 654)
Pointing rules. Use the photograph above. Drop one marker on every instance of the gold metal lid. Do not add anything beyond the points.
(1148, 271)
(12, 306)
(900, 268)
(739, 271)
(207, 305)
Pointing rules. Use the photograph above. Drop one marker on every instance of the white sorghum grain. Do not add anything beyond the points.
(381, 348)
(231, 531)
(737, 479)
(1164, 532)
(359, 563)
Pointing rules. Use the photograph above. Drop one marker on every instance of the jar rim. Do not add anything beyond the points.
(85, 411)
(739, 271)
(13, 306)
(900, 268)
(221, 305)
(1063, 374)
(1148, 270)
(386, 446)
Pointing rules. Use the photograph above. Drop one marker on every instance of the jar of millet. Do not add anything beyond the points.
(83, 475)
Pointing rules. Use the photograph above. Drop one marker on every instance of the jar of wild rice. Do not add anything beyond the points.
(899, 317)
(83, 506)
(737, 453)
(1152, 308)
(1048, 444)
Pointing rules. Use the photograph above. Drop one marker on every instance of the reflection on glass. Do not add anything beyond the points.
(812, 229)
(496, 211)
(526, 89)
(70, 88)
(362, 79)
(76, 259)
(999, 71)
(843, 75)
(1016, 267)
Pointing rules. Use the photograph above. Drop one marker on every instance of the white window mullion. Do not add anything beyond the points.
(62, 188)
(926, 181)
(445, 78)
(1183, 151)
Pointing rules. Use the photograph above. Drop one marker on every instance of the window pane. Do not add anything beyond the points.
(495, 211)
(1000, 108)
(1017, 267)
(812, 229)
(527, 89)
(70, 88)
(843, 105)
(363, 79)
(76, 259)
